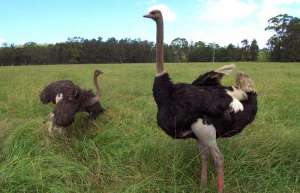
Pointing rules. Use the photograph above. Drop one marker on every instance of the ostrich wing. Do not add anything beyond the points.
(213, 78)
(69, 90)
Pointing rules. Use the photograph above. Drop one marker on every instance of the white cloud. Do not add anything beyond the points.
(1, 41)
(225, 10)
(238, 19)
(271, 8)
(282, 1)
(168, 14)
(229, 35)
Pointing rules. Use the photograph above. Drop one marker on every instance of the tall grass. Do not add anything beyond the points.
(124, 150)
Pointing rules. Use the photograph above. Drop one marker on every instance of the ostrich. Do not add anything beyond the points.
(223, 127)
(70, 99)
(198, 110)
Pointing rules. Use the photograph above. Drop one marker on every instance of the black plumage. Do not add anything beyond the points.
(203, 109)
(180, 105)
(238, 121)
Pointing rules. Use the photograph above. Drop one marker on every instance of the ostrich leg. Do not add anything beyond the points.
(51, 124)
(204, 151)
(52, 127)
(206, 134)
(219, 165)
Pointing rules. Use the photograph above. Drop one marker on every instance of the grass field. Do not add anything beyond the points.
(124, 151)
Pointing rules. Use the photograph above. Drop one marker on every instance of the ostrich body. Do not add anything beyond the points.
(197, 110)
(239, 120)
(70, 99)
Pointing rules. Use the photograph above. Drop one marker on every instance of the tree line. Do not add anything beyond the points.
(78, 50)
(284, 45)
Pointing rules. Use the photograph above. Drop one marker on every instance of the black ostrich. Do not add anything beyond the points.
(199, 110)
(70, 99)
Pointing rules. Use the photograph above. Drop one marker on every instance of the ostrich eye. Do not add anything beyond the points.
(152, 12)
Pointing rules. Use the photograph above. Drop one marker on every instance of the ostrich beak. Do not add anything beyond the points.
(147, 16)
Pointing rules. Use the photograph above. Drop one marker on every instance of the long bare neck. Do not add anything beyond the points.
(159, 46)
(97, 85)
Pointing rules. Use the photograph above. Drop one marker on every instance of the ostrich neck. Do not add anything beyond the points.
(97, 86)
(159, 47)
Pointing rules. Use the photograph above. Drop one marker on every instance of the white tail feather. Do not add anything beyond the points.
(226, 69)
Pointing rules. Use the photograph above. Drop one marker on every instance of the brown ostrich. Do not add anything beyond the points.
(70, 99)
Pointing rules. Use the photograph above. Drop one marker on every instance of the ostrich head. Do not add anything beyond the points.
(97, 73)
(155, 15)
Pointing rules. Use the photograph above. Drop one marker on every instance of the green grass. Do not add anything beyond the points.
(124, 151)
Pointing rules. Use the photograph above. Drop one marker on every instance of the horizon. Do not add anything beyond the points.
(219, 21)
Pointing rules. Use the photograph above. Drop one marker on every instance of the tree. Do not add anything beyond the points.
(80, 50)
(284, 45)
(233, 53)
(245, 50)
(254, 50)
(199, 52)
(180, 49)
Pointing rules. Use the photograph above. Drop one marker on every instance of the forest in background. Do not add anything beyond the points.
(283, 46)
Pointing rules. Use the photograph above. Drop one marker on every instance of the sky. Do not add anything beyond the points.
(219, 21)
